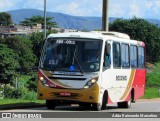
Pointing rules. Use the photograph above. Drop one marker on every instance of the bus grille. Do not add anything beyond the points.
(68, 78)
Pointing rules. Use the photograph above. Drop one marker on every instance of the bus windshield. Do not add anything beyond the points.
(71, 55)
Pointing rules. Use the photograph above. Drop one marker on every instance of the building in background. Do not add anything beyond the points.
(19, 30)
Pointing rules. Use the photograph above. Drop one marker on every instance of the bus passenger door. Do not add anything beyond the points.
(106, 66)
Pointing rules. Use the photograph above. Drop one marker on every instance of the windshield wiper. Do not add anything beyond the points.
(75, 57)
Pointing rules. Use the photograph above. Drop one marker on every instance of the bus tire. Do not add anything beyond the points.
(96, 107)
(125, 104)
(105, 100)
(50, 104)
(132, 96)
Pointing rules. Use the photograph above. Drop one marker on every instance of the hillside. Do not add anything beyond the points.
(66, 21)
(63, 20)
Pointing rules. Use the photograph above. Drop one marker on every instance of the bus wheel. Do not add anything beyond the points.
(50, 104)
(96, 107)
(125, 104)
(105, 100)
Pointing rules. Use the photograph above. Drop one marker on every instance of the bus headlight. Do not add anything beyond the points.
(93, 80)
(44, 82)
(90, 83)
(41, 78)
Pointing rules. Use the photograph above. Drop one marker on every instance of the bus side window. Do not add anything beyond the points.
(107, 56)
(116, 55)
(133, 56)
(140, 57)
(125, 55)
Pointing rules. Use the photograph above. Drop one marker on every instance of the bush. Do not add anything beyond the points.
(32, 84)
(26, 91)
(23, 48)
(11, 92)
(7, 91)
(1, 91)
(30, 95)
(37, 40)
(8, 64)
(140, 29)
(17, 93)
(153, 78)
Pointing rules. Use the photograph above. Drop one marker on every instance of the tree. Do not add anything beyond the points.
(23, 48)
(37, 40)
(5, 19)
(8, 64)
(39, 20)
(142, 30)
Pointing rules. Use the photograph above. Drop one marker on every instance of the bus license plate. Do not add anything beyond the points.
(65, 94)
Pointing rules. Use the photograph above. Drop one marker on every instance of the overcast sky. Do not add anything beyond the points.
(118, 8)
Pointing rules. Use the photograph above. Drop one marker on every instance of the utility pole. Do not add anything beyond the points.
(44, 36)
(105, 16)
(16, 83)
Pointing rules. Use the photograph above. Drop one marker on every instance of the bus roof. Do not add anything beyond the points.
(116, 36)
(78, 35)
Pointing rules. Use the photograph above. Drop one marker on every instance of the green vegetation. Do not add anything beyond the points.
(8, 64)
(21, 91)
(37, 41)
(39, 20)
(23, 80)
(142, 30)
(153, 77)
(24, 93)
(22, 48)
(19, 55)
(5, 19)
(14, 101)
(153, 81)
(151, 93)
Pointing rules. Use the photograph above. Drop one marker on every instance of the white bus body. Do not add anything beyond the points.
(118, 76)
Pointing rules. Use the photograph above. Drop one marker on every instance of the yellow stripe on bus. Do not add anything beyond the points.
(128, 85)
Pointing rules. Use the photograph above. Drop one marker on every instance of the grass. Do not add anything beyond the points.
(151, 93)
(14, 101)
(153, 75)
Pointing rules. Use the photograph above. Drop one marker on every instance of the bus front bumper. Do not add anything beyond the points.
(89, 95)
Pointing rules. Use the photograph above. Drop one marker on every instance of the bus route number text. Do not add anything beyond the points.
(70, 42)
(121, 78)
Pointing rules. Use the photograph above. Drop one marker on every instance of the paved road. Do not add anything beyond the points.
(151, 106)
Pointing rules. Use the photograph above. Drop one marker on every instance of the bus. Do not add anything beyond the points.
(91, 69)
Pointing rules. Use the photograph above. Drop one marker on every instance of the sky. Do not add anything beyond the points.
(117, 8)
